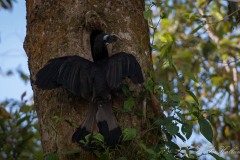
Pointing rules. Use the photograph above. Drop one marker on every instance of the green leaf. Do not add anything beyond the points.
(98, 136)
(205, 129)
(158, 4)
(128, 104)
(217, 157)
(25, 109)
(169, 156)
(149, 84)
(172, 146)
(147, 14)
(193, 96)
(167, 37)
(172, 128)
(155, 47)
(51, 156)
(122, 158)
(129, 134)
(196, 29)
(216, 80)
(191, 76)
(174, 97)
(21, 120)
(181, 116)
(148, 150)
(187, 130)
(87, 138)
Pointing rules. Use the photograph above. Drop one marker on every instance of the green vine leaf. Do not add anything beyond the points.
(128, 104)
(147, 14)
(129, 134)
(187, 130)
(205, 128)
(172, 128)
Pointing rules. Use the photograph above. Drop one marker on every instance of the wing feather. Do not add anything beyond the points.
(120, 66)
(70, 72)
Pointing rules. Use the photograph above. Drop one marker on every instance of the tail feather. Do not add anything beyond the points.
(88, 126)
(107, 124)
(100, 118)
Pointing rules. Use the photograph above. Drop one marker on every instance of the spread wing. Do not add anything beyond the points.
(121, 66)
(71, 72)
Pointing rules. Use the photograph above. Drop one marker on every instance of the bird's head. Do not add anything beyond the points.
(109, 38)
(100, 47)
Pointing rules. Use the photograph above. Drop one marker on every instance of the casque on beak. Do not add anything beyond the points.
(112, 38)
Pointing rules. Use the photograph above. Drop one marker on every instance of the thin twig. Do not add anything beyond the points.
(212, 23)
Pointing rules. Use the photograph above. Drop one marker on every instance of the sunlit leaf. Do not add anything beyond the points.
(193, 96)
(216, 80)
(98, 136)
(191, 76)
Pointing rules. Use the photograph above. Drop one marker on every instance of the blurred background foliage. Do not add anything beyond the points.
(6, 4)
(196, 47)
(195, 51)
(19, 136)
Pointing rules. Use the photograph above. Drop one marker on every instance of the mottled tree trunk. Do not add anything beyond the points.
(63, 27)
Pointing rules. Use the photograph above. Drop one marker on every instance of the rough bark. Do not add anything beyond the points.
(63, 27)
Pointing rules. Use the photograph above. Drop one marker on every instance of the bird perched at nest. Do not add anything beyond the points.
(93, 80)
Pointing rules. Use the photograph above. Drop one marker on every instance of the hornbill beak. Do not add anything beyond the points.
(114, 37)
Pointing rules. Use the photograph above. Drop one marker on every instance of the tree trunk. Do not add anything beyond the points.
(63, 27)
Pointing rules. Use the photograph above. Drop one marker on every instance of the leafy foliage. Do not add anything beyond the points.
(19, 137)
(196, 54)
(6, 4)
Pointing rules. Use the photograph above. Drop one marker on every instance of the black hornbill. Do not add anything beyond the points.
(95, 80)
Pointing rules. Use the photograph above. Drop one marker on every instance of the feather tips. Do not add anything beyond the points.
(71, 72)
(121, 66)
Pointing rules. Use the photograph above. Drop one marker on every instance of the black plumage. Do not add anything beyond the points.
(95, 80)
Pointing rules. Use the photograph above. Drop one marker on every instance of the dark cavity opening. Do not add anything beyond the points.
(93, 36)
